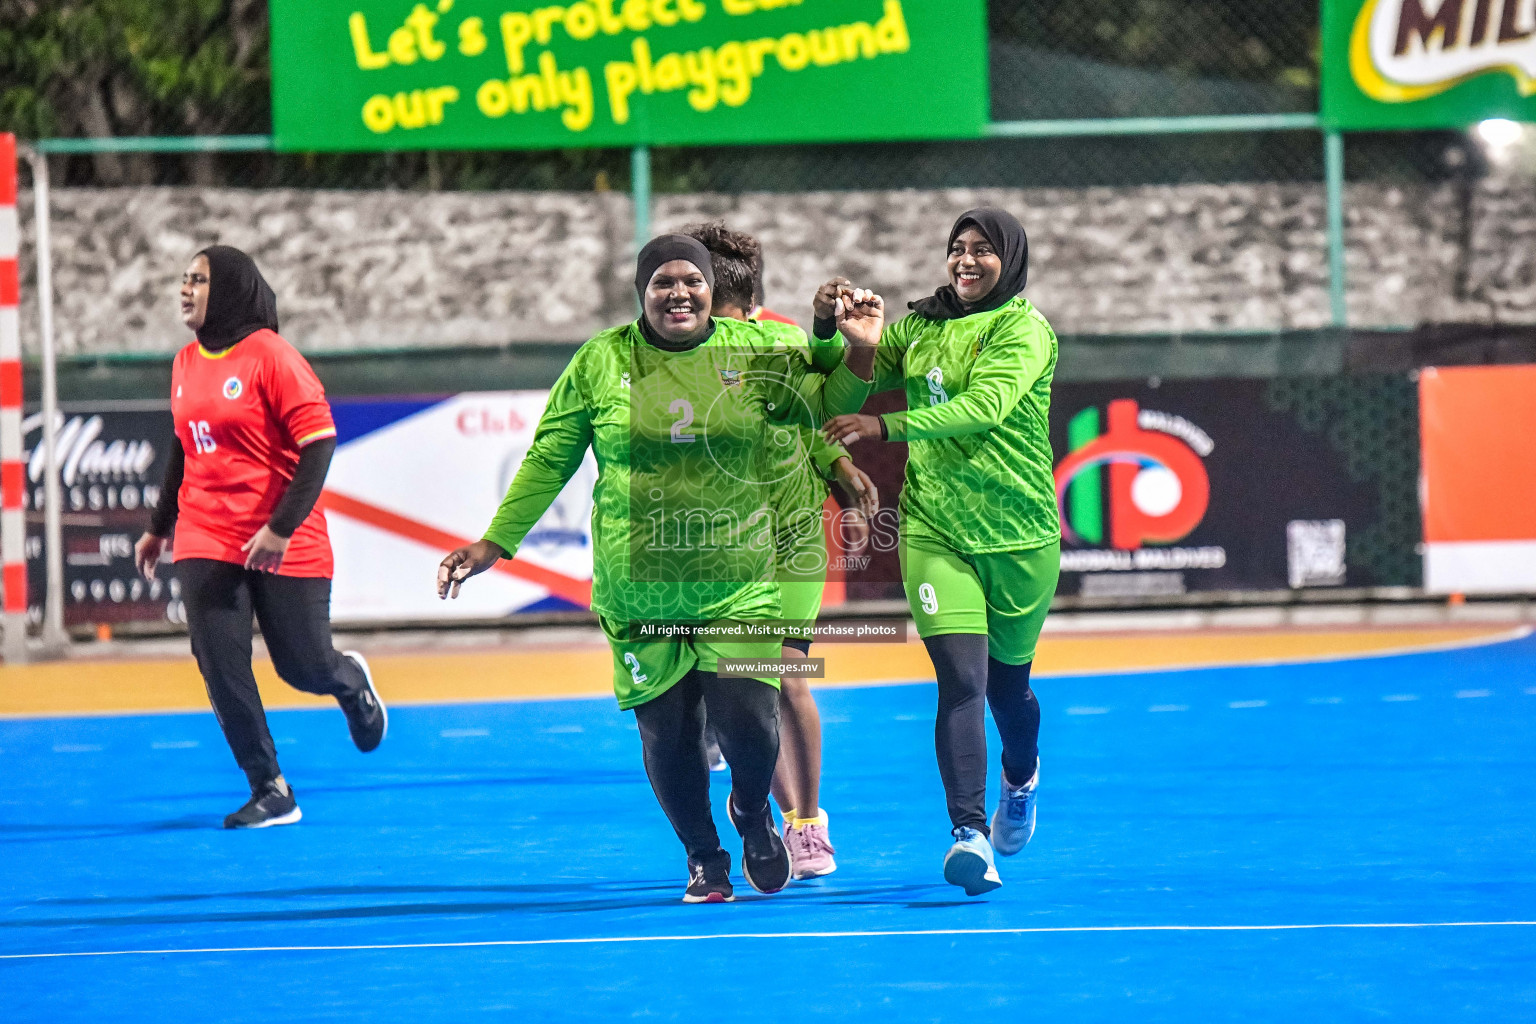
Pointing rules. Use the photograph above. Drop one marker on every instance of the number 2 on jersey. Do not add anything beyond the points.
(634, 668)
(202, 437)
(683, 410)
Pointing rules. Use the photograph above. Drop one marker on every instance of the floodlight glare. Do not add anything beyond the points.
(1500, 133)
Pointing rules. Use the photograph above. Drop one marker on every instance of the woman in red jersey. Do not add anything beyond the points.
(240, 490)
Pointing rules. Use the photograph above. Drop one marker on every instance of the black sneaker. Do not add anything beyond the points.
(367, 718)
(764, 860)
(271, 803)
(710, 882)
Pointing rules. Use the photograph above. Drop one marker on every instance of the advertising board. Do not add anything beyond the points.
(1165, 488)
(1172, 487)
(1427, 63)
(1479, 479)
(112, 458)
(520, 74)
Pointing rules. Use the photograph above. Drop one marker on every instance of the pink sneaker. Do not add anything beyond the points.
(794, 843)
(812, 852)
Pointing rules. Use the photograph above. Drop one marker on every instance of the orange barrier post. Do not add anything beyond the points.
(13, 528)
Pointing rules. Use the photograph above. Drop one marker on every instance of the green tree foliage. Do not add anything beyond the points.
(133, 67)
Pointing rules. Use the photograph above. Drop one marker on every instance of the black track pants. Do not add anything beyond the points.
(295, 617)
(745, 715)
(968, 681)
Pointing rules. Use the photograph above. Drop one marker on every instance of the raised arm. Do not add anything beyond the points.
(830, 308)
(1019, 351)
(801, 394)
(826, 353)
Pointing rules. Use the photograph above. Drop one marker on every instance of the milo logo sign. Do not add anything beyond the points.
(1400, 63)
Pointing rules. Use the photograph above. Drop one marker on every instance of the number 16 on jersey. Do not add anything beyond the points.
(202, 437)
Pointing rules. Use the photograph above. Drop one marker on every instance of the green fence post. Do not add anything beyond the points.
(158, 144)
(1335, 172)
(640, 193)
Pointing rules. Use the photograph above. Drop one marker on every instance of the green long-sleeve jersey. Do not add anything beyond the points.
(687, 447)
(806, 464)
(977, 424)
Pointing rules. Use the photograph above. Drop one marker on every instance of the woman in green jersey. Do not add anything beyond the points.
(806, 465)
(980, 537)
(680, 410)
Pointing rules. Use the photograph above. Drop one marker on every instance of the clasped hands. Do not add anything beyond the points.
(860, 317)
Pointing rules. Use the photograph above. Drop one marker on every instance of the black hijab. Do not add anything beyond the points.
(240, 302)
(658, 252)
(1007, 236)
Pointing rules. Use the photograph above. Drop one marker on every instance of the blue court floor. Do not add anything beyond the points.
(1341, 841)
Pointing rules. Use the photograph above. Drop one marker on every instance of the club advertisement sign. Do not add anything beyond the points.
(1235, 485)
(1427, 63)
(521, 74)
(411, 479)
(111, 461)
(1165, 489)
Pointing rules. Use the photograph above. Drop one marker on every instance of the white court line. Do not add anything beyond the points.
(620, 939)
(1509, 636)
(1518, 633)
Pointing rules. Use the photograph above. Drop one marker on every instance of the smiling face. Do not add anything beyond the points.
(194, 292)
(677, 302)
(974, 265)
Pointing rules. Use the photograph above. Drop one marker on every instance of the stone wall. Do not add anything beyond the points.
(392, 269)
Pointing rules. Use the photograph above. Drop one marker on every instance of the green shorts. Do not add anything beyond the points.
(645, 669)
(802, 576)
(800, 545)
(1004, 594)
(802, 606)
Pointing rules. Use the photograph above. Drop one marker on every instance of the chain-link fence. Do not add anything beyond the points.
(185, 69)
(1165, 156)
(1167, 232)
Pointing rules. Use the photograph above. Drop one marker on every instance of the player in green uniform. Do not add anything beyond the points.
(801, 476)
(980, 537)
(680, 410)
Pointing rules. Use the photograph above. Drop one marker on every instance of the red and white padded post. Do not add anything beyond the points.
(13, 527)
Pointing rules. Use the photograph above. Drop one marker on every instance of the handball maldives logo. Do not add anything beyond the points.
(233, 388)
(1151, 465)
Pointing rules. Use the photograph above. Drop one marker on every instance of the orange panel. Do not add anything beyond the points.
(1478, 428)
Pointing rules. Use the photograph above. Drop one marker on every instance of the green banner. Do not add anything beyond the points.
(514, 74)
(1427, 63)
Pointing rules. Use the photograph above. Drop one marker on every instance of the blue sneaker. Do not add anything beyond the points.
(969, 863)
(1013, 823)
